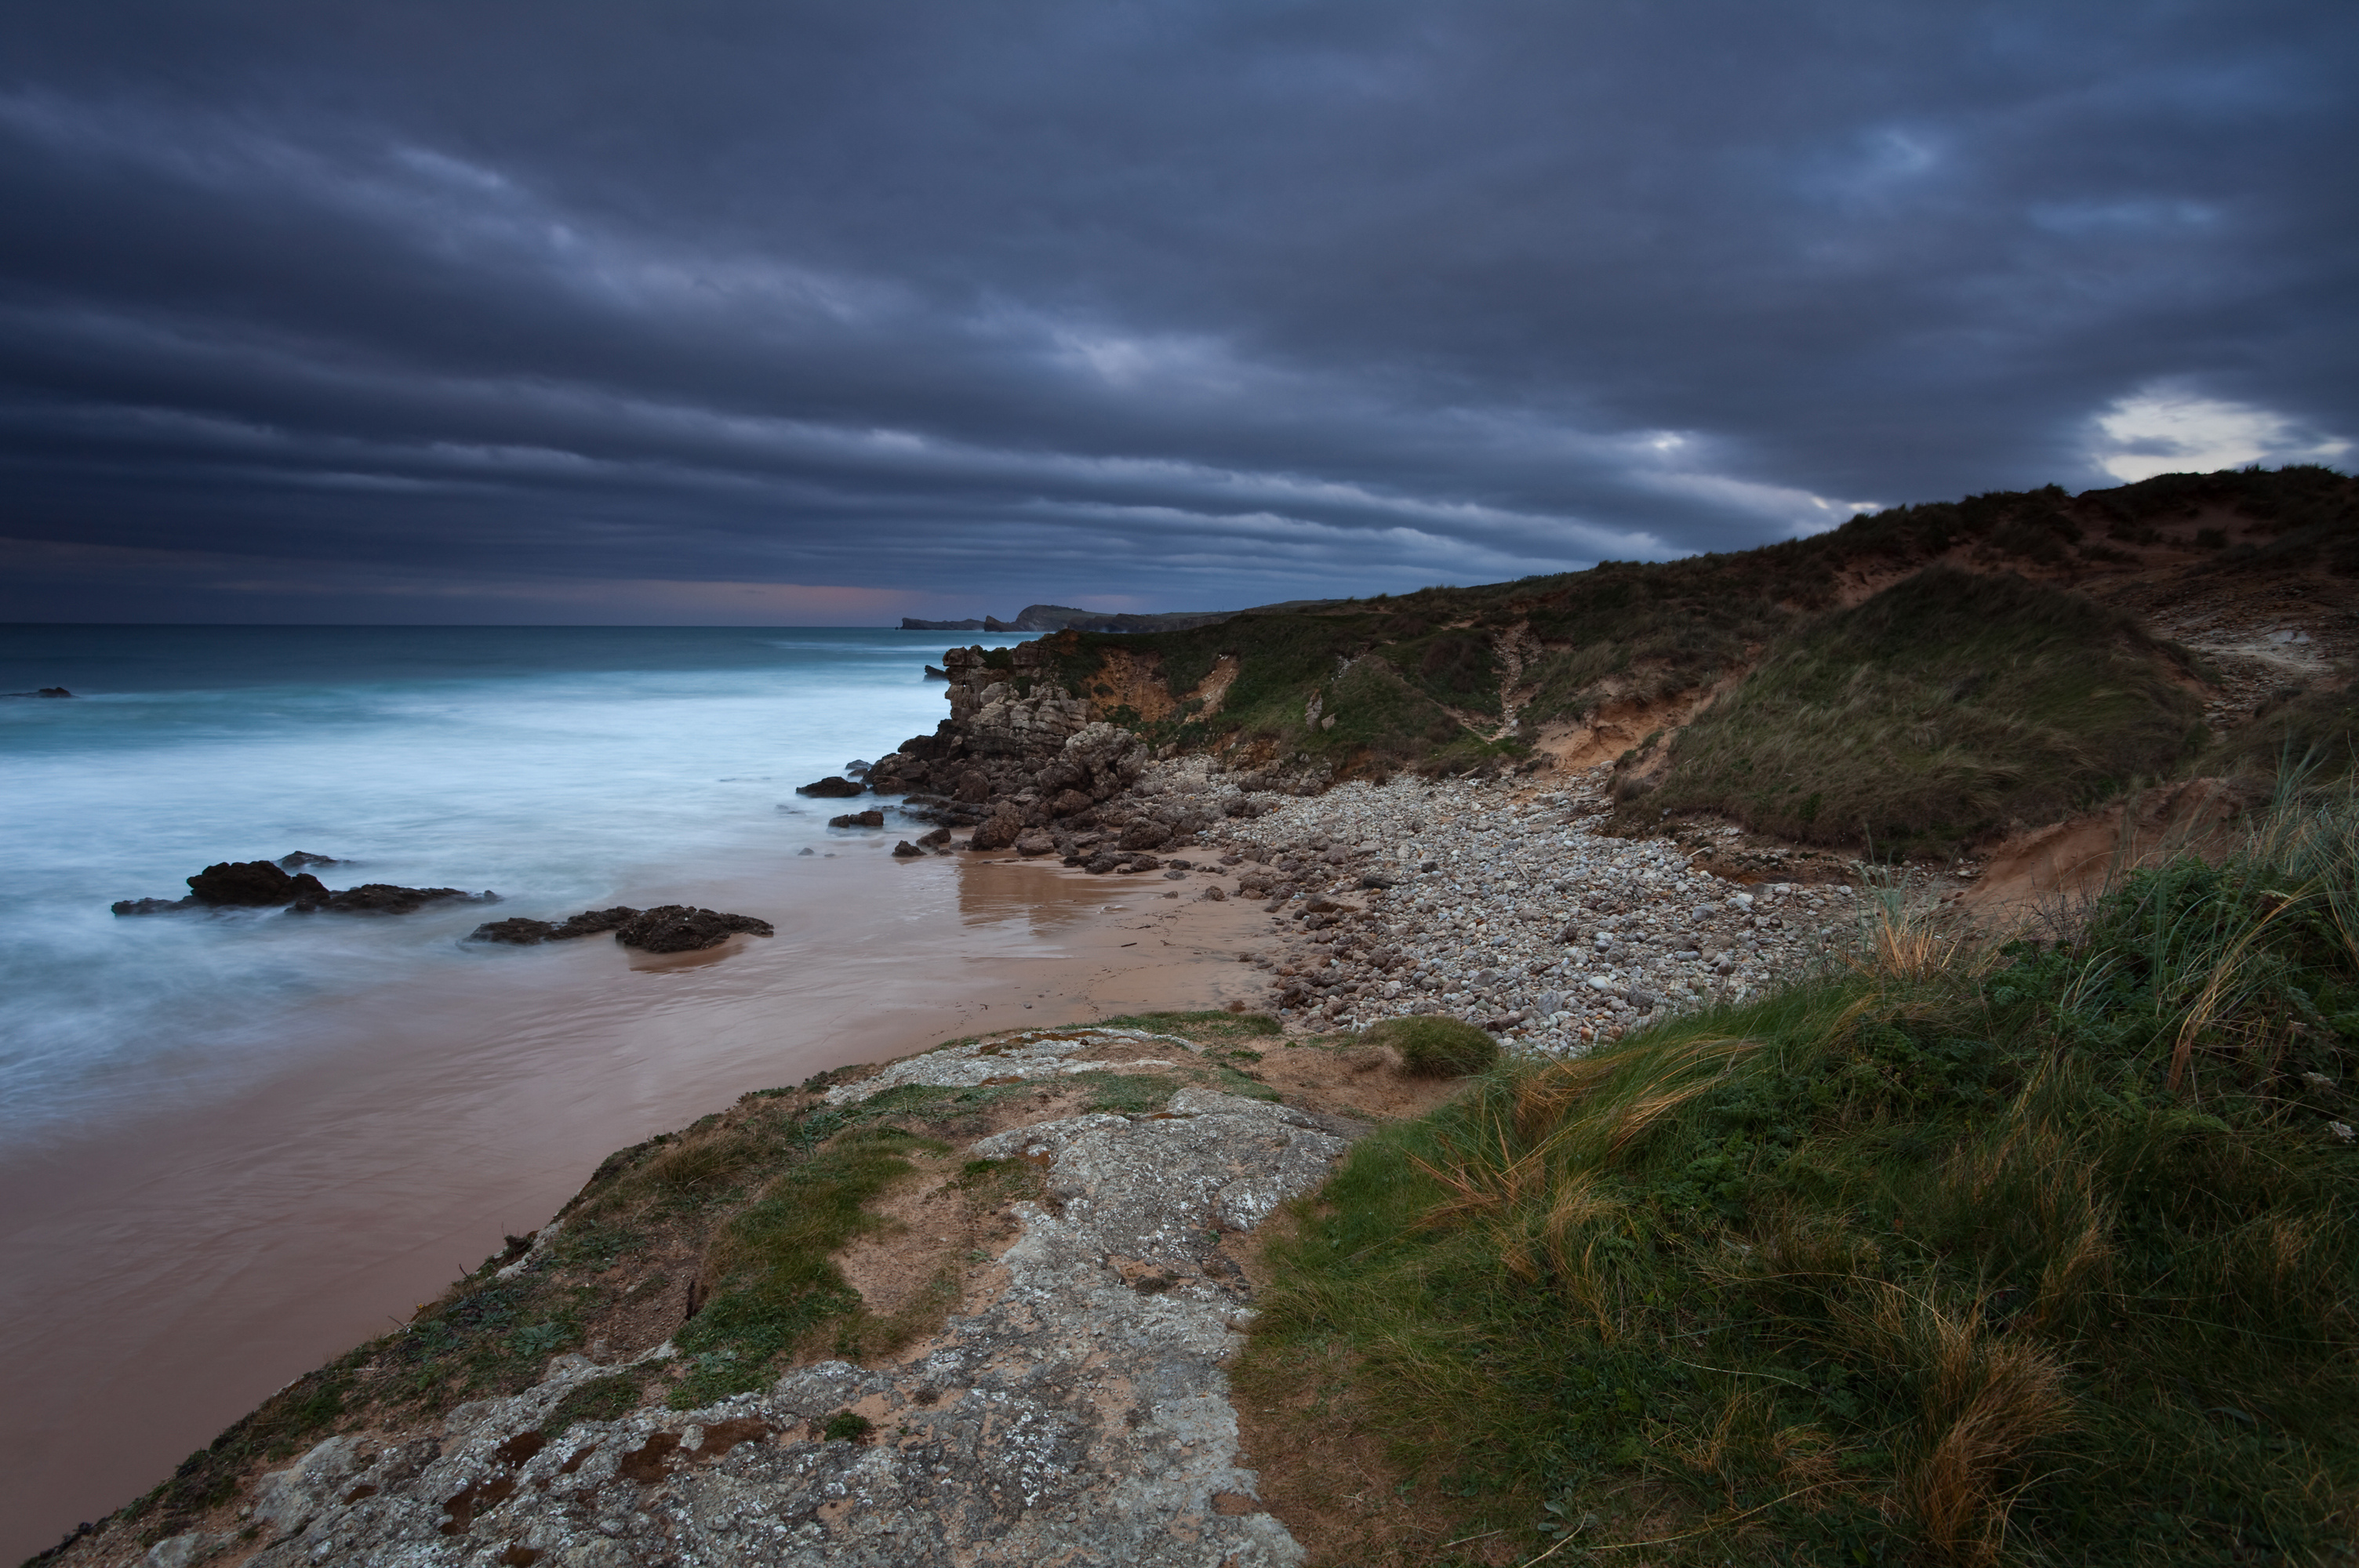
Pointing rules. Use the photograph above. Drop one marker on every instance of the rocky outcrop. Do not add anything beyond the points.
(830, 787)
(680, 928)
(667, 928)
(265, 884)
(381, 898)
(1072, 1409)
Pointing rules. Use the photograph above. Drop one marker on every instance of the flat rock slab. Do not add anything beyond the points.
(1080, 1417)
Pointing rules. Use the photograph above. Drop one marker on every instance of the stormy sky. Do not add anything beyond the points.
(514, 310)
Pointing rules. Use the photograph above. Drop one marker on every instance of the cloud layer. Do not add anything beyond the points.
(772, 311)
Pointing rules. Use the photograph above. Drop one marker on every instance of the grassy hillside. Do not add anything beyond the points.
(1937, 713)
(2042, 1255)
(1989, 702)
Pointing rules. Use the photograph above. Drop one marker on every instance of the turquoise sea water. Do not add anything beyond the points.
(559, 766)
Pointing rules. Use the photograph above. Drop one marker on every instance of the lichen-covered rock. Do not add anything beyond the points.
(1076, 1414)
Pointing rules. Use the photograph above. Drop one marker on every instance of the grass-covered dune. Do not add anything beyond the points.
(2041, 1254)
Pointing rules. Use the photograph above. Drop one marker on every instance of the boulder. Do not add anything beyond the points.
(1145, 834)
(905, 848)
(1034, 841)
(681, 928)
(250, 884)
(830, 788)
(1068, 802)
(998, 830)
(858, 819)
(937, 838)
(302, 858)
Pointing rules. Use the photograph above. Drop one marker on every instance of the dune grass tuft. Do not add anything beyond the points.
(1433, 1046)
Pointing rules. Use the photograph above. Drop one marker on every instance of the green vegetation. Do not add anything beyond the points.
(2046, 1254)
(1934, 713)
(776, 1277)
(1203, 1028)
(847, 1426)
(1435, 1046)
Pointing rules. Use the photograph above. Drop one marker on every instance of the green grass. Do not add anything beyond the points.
(1203, 1028)
(1933, 714)
(1436, 1047)
(2045, 1255)
(776, 1282)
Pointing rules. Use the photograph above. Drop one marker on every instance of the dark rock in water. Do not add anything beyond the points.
(937, 838)
(523, 933)
(260, 884)
(1102, 863)
(905, 848)
(250, 884)
(305, 857)
(378, 898)
(595, 922)
(933, 673)
(858, 819)
(679, 928)
(517, 933)
(1144, 863)
(829, 788)
(60, 691)
(855, 769)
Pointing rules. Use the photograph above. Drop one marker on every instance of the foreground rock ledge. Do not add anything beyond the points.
(1081, 1417)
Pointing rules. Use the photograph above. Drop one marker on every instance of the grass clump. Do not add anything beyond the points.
(1203, 1028)
(1933, 714)
(776, 1281)
(1436, 1047)
(1964, 1256)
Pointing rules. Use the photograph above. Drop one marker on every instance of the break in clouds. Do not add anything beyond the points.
(776, 313)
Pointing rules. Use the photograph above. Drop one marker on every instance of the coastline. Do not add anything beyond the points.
(427, 1128)
(1327, 893)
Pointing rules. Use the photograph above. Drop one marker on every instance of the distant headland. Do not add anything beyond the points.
(1065, 618)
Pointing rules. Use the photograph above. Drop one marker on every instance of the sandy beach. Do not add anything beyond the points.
(175, 1266)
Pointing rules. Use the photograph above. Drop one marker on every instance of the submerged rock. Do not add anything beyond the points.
(523, 933)
(858, 819)
(380, 898)
(833, 785)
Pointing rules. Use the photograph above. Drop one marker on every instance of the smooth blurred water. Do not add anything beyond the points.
(558, 766)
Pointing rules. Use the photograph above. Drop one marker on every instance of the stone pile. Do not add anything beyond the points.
(1510, 910)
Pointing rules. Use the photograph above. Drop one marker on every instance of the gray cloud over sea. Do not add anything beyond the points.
(798, 312)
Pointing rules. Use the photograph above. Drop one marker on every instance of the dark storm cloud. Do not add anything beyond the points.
(543, 311)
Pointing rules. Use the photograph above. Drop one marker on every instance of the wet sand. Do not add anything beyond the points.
(168, 1269)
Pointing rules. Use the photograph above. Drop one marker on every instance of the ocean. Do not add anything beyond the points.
(563, 767)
